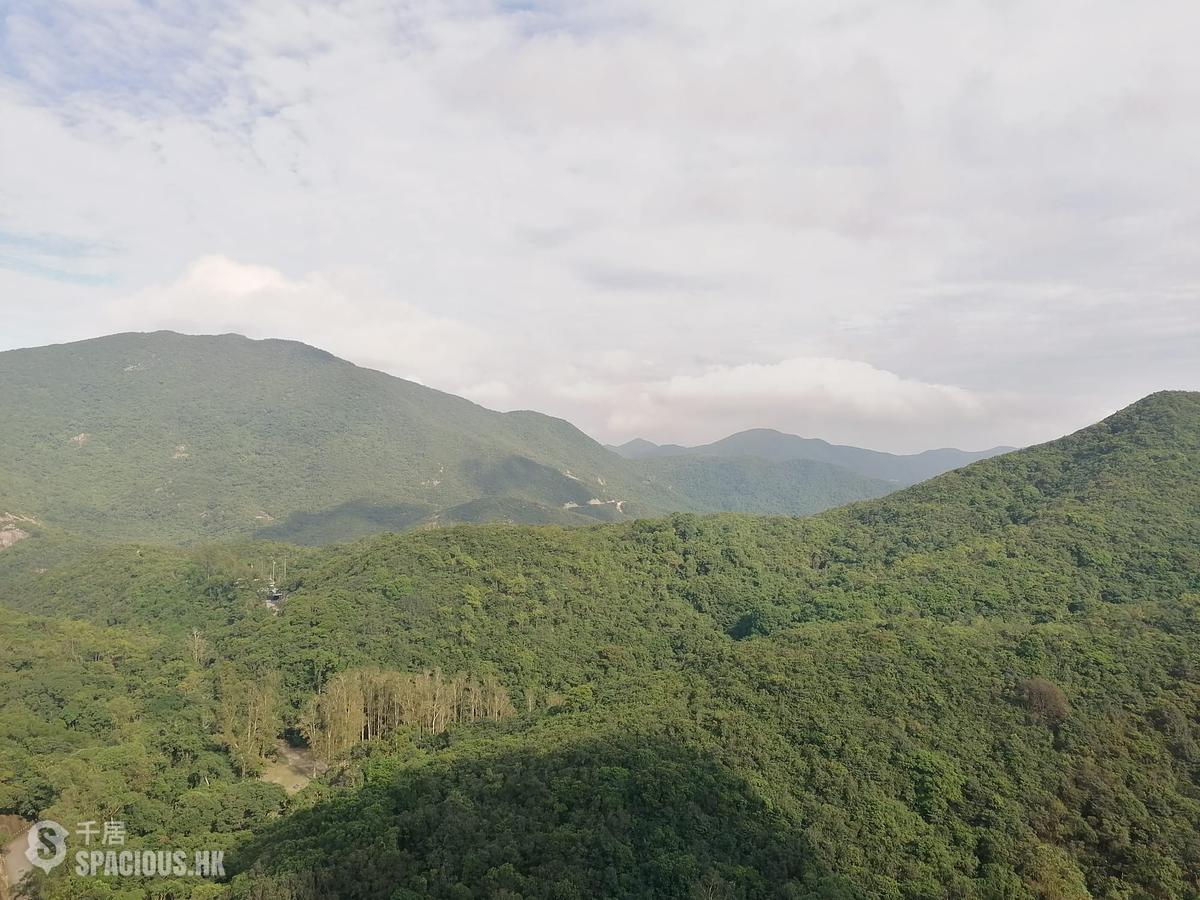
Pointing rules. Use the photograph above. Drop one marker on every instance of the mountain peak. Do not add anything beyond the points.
(1168, 416)
(1162, 406)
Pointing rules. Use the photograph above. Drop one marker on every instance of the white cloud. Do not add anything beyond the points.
(339, 312)
(820, 386)
(814, 396)
(636, 214)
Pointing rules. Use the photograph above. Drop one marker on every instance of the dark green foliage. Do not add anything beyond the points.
(619, 814)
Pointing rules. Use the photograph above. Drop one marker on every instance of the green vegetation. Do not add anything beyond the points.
(176, 439)
(985, 686)
(100, 723)
(173, 439)
(796, 487)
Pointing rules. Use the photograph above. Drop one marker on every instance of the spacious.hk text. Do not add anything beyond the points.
(104, 854)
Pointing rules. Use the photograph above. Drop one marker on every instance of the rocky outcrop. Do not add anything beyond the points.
(10, 533)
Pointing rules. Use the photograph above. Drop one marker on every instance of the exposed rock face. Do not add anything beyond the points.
(9, 532)
(9, 535)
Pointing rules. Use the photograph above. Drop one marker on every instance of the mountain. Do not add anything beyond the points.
(639, 448)
(178, 439)
(986, 685)
(794, 487)
(775, 446)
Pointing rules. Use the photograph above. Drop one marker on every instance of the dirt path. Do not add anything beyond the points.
(14, 865)
(293, 768)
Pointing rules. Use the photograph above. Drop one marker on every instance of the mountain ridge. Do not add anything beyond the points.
(773, 445)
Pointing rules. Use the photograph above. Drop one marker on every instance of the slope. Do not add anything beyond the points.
(794, 487)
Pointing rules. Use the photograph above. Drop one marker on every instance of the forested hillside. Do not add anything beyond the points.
(795, 487)
(984, 686)
(178, 439)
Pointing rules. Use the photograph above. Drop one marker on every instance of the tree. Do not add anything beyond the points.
(248, 717)
(198, 647)
(1046, 701)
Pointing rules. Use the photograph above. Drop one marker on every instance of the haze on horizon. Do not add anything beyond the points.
(897, 225)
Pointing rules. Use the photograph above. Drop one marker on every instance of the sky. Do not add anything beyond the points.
(900, 224)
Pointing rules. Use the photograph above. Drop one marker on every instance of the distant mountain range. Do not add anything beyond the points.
(176, 439)
(774, 446)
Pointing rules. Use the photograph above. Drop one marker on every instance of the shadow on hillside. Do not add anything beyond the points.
(519, 476)
(615, 817)
(345, 522)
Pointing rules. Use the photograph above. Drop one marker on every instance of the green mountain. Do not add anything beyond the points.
(794, 487)
(775, 446)
(170, 437)
(984, 686)
(177, 439)
(640, 448)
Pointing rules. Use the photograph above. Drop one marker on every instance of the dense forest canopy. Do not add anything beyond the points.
(984, 686)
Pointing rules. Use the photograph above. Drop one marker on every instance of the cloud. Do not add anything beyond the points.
(599, 209)
(814, 396)
(820, 386)
(340, 312)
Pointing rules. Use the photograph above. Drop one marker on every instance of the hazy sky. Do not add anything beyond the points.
(899, 224)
